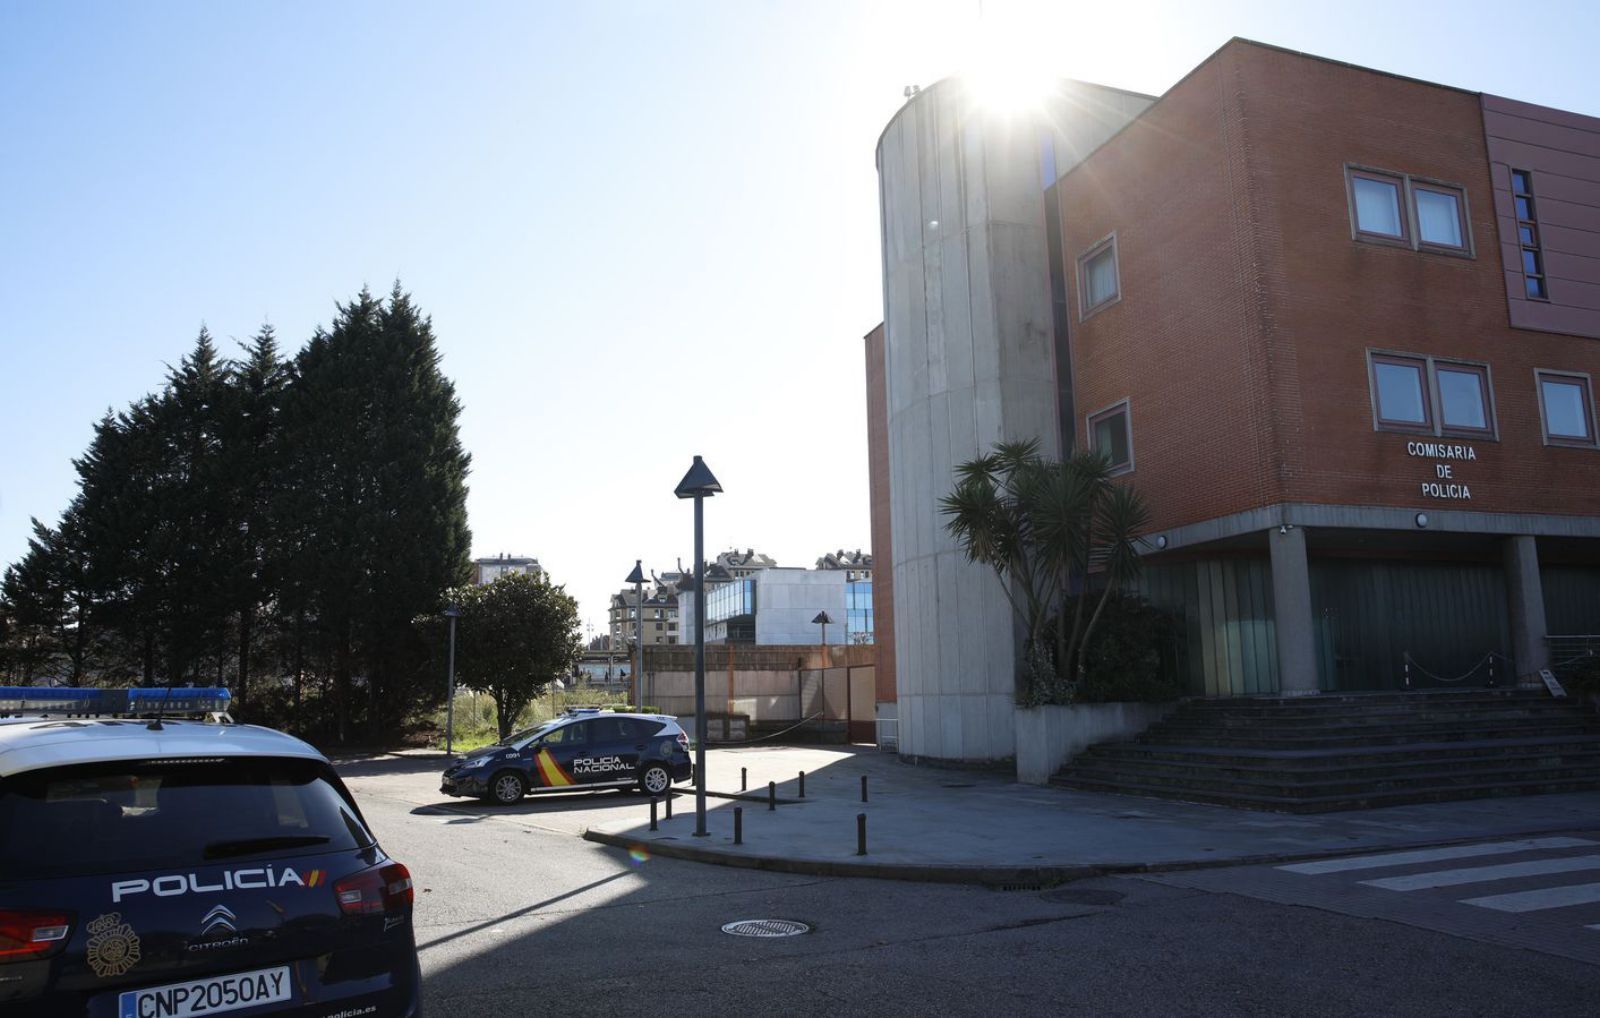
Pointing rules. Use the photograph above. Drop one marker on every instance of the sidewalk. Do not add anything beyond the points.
(926, 823)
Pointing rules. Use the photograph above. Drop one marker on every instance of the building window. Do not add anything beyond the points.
(1398, 208)
(1463, 398)
(1566, 405)
(1376, 199)
(1440, 222)
(1534, 284)
(1098, 281)
(1401, 386)
(1111, 435)
(1431, 395)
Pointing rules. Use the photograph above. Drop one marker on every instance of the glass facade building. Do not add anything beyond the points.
(858, 612)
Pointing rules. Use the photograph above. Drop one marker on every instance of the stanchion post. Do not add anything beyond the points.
(653, 826)
(861, 834)
(738, 825)
(802, 784)
(669, 805)
(863, 788)
(772, 796)
(743, 780)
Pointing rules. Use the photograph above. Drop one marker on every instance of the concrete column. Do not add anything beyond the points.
(1291, 612)
(1525, 597)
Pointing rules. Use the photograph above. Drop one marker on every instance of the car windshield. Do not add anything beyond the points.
(526, 734)
(158, 814)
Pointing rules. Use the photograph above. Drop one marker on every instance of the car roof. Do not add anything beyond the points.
(30, 743)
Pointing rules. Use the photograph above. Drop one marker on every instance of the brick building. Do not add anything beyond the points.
(1339, 326)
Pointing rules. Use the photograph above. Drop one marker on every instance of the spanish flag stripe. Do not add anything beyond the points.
(550, 771)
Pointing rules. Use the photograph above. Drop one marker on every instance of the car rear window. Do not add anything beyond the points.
(157, 814)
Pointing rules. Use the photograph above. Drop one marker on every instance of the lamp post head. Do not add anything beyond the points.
(452, 611)
(637, 576)
(699, 482)
(822, 619)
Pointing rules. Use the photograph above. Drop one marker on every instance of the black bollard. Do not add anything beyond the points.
(802, 784)
(772, 796)
(744, 785)
(653, 826)
(863, 788)
(669, 805)
(861, 834)
(738, 825)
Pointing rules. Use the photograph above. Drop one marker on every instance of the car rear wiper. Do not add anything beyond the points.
(247, 846)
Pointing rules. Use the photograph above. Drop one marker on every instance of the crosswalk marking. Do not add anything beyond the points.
(1372, 862)
(1533, 901)
(1484, 874)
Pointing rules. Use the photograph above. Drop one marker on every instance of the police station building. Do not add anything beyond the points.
(1340, 327)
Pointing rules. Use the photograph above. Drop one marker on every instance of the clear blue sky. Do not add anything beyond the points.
(644, 230)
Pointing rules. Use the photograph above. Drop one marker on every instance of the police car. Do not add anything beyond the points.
(175, 867)
(587, 748)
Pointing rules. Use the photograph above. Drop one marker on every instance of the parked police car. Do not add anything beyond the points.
(586, 748)
(179, 868)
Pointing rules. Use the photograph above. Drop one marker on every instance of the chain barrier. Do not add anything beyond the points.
(1488, 659)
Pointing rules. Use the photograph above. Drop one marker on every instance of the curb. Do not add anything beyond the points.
(1009, 877)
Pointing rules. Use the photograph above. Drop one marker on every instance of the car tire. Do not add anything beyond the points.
(506, 788)
(655, 779)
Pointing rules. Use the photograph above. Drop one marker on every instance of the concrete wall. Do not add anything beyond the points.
(1047, 737)
(882, 541)
(788, 599)
(968, 351)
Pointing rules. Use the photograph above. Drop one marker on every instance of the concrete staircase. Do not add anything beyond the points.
(1353, 751)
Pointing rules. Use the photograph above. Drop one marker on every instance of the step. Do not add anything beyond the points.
(1379, 715)
(1328, 804)
(1370, 739)
(1283, 785)
(1301, 758)
(1357, 770)
(1422, 732)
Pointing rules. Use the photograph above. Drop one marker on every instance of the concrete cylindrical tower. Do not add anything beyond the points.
(970, 362)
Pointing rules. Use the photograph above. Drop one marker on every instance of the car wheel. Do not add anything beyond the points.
(655, 780)
(506, 788)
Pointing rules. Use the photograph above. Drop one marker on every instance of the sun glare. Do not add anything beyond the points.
(1006, 67)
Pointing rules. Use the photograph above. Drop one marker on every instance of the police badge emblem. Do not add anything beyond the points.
(113, 947)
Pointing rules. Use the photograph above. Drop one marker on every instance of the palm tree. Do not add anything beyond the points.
(1045, 527)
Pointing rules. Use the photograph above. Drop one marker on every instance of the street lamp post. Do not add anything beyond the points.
(699, 484)
(451, 612)
(637, 579)
(822, 620)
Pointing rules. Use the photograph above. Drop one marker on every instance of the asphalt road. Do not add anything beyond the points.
(517, 915)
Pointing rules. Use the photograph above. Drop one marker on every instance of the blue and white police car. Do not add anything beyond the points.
(585, 748)
(169, 867)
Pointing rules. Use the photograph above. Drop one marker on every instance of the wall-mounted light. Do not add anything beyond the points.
(1422, 519)
(1161, 540)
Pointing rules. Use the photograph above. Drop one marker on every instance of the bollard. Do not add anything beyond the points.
(863, 788)
(861, 834)
(772, 796)
(669, 805)
(653, 826)
(802, 784)
(743, 784)
(738, 825)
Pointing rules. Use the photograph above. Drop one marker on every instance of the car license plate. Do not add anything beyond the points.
(208, 996)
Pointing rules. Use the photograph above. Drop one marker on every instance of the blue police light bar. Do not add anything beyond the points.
(82, 700)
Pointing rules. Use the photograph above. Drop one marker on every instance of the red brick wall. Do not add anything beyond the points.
(1247, 308)
(878, 487)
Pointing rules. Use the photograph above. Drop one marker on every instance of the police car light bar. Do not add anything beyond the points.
(86, 701)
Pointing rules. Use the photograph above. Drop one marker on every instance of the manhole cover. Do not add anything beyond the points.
(766, 928)
(955, 785)
(1083, 896)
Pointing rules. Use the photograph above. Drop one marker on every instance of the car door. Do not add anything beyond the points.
(555, 760)
(607, 758)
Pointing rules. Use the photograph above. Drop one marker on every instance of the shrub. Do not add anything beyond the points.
(1132, 656)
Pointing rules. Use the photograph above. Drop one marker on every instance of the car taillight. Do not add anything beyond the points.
(385, 888)
(25, 936)
(683, 740)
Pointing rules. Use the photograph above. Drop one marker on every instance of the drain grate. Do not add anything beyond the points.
(766, 928)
